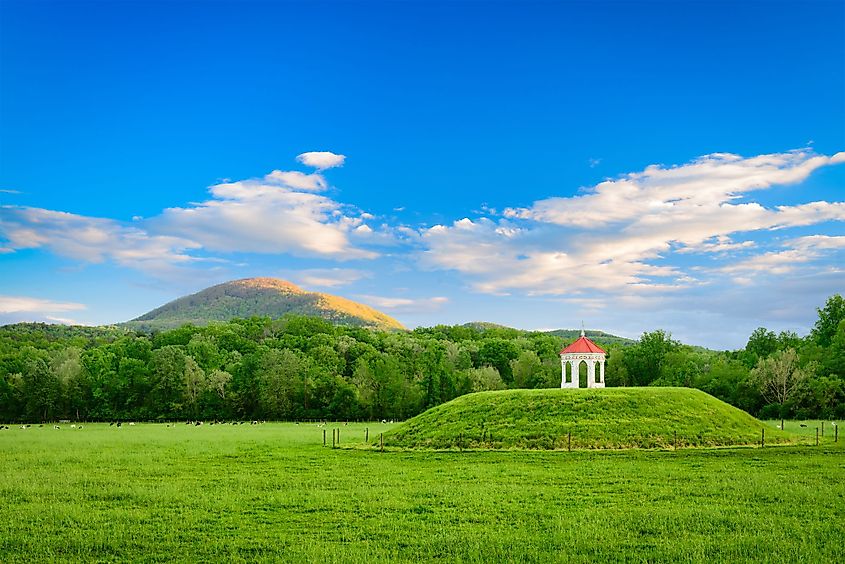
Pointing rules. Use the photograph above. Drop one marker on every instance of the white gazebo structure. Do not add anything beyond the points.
(586, 351)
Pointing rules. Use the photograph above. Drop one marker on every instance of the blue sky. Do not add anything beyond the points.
(635, 165)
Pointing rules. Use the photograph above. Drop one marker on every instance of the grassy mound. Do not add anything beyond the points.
(596, 418)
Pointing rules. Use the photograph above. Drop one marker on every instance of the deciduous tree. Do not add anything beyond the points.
(779, 377)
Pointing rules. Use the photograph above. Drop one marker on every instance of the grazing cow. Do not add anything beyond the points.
(56, 427)
(73, 426)
(131, 424)
(803, 425)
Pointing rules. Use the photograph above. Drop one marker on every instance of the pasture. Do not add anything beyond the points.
(272, 492)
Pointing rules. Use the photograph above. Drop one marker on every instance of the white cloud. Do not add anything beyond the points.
(19, 304)
(61, 320)
(799, 252)
(328, 277)
(404, 305)
(660, 195)
(621, 235)
(297, 180)
(279, 214)
(15, 309)
(717, 244)
(665, 235)
(503, 257)
(778, 262)
(254, 216)
(260, 217)
(94, 240)
(817, 242)
(321, 160)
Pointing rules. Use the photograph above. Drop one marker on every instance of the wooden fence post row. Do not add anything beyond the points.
(336, 437)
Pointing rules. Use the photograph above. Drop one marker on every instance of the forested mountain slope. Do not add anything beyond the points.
(261, 297)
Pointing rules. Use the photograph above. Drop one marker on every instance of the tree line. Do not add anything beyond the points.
(298, 368)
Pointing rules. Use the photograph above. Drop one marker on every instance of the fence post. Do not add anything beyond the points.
(324, 437)
(836, 434)
(333, 438)
(781, 425)
(817, 436)
(763, 437)
(367, 435)
(381, 439)
(338, 436)
(822, 428)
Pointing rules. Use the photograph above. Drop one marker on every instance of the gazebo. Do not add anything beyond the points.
(586, 351)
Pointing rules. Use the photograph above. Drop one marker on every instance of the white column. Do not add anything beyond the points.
(591, 373)
(562, 372)
(602, 373)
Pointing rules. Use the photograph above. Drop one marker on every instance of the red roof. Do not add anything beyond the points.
(583, 345)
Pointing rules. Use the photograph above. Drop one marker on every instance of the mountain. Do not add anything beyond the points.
(263, 297)
(486, 326)
(566, 334)
(595, 335)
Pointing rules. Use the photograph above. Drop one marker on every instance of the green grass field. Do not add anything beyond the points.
(272, 492)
